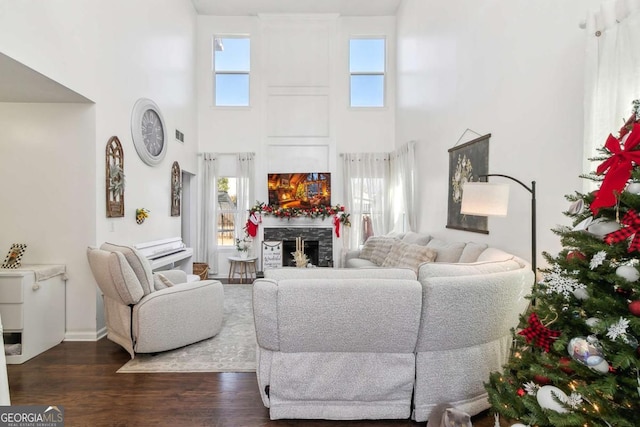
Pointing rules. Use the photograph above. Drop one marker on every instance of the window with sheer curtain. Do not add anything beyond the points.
(380, 193)
(612, 74)
(227, 194)
(366, 180)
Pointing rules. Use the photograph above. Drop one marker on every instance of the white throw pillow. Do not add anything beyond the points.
(160, 281)
(415, 255)
(382, 249)
(493, 254)
(447, 252)
(416, 238)
(472, 251)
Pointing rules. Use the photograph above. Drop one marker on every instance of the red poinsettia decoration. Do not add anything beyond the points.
(624, 153)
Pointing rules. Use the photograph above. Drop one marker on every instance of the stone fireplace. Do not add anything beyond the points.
(318, 243)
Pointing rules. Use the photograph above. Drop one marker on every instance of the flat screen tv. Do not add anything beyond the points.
(300, 190)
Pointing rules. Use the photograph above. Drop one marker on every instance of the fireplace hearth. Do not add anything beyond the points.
(318, 243)
(311, 250)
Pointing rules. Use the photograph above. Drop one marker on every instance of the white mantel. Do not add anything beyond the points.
(269, 221)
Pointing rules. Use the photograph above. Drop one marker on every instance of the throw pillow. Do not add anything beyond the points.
(493, 254)
(160, 281)
(447, 252)
(369, 246)
(416, 238)
(395, 255)
(415, 255)
(382, 246)
(395, 234)
(471, 252)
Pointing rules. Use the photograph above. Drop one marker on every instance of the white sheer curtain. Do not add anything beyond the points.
(207, 248)
(403, 173)
(245, 167)
(612, 79)
(366, 189)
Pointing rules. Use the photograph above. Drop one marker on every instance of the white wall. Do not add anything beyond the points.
(48, 194)
(299, 119)
(113, 53)
(510, 68)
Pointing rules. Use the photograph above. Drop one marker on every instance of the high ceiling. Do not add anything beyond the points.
(254, 7)
(22, 84)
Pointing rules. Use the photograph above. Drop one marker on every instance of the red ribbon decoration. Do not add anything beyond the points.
(542, 335)
(336, 224)
(617, 167)
(632, 222)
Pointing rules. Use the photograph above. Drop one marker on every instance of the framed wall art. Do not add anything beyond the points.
(176, 189)
(14, 257)
(114, 174)
(466, 163)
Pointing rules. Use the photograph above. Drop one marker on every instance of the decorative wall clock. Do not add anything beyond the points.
(148, 131)
(114, 174)
(176, 189)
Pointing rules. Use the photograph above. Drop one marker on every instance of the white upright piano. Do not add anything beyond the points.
(167, 254)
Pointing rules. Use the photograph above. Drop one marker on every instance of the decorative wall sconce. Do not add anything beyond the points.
(141, 215)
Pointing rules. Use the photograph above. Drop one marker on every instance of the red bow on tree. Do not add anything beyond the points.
(632, 222)
(542, 335)
(617, 167)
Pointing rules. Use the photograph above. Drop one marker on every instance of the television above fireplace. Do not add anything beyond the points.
(299, 190)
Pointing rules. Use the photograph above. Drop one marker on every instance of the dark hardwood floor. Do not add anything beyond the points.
(81, 377)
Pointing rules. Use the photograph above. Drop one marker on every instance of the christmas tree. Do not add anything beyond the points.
(575, 355)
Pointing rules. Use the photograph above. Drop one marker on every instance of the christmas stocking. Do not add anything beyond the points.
(252, 224)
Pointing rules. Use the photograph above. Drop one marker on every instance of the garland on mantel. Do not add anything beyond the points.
(337, 212)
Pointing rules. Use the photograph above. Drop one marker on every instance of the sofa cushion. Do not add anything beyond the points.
(114, 276)
(440, 269)
(367, 250)
(160, 281)
(338, 273)
(377, 248)
(416, 238)
(446, 252)
(415, 255)
(138, 263)
(395, 254)
(395, 234)
(359, 263)
(493, 254)
(403, 255)
(471, 252)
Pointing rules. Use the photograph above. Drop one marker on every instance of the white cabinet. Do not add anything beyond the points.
(32, 309)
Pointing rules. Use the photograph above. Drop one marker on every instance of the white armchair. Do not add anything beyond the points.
(147, 313)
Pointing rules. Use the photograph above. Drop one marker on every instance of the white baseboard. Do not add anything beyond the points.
(86, 336)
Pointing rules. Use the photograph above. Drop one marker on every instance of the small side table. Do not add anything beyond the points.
(244, 267)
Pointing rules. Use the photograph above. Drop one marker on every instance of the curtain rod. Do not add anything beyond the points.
(226, 154)
(412, 142)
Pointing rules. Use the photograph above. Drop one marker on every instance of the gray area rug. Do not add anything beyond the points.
(232, 350)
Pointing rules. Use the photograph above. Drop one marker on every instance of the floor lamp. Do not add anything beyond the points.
(485, 199)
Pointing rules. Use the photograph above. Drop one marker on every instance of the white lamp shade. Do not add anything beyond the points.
(484, 199)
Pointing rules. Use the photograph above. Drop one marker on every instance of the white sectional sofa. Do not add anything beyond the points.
(337, 344)
(412, 249)
(374, 343)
